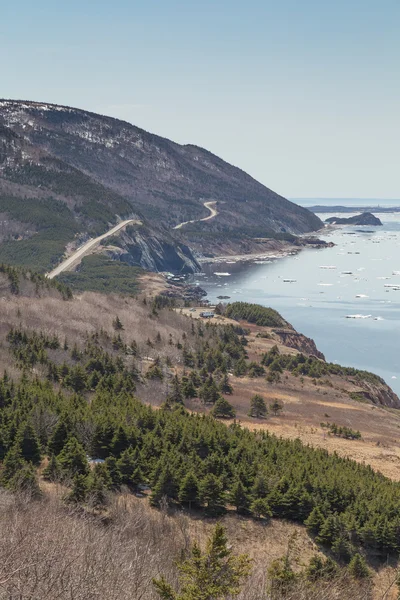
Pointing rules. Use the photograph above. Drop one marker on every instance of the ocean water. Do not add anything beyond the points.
(347, 298)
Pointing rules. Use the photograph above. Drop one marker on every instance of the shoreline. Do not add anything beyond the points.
(292, 251)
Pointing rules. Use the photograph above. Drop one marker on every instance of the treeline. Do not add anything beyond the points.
(17, 276)
(299, 364)
(255, 313)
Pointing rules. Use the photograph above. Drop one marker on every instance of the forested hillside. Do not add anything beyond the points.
(93, 405)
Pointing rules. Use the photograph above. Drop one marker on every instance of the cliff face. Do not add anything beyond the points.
(378, 393)
(293, 339)
(153, 251)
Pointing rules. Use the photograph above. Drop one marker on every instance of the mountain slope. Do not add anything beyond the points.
(160, 179)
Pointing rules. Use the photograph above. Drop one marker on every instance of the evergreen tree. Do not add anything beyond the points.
(175, 395)
(211, 575)
(25, 481)
(320, 568)
(119, 442)
(276, 407)
(358, 567)
(117, 324)
(79, 489)
(99, 482)
(223, 409)
(211, 494)
(165, 487)
(53, 470)
(114, 472)
(225, 387)
(258, 408)
(188, 388)
(260, 508)
(240, 498)
(189, 489)
(260, 487)
(12, 464)
(315, 521)
(59, 437)
(26, 439)
(129, 467)
(73, 459)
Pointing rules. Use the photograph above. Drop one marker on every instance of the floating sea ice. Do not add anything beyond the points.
(327, 267)
(394, 377)
(383, 277)
(289, 280)
(362, 296)
(358, 316)
(326, 284)
(396, 273)
(222, 274)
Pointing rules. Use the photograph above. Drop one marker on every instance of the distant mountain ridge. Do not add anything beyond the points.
(100, 167)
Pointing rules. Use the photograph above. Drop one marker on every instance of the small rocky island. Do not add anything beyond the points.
(365, 218)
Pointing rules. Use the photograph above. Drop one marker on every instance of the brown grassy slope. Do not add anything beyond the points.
(51, 551)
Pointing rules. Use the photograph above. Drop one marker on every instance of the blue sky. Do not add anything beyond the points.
(304, 96)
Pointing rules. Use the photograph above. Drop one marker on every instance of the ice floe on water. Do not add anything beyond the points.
(289, 280)
(327, 267)
(326, 284)
(222, 274)
(358, 316)
(362, 296)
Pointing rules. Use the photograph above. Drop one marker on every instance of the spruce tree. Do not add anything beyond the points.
(276, 407)
(73, 459)
(114, 472)
(211, 575)
(79, 489)
(211, 494)
(240, 498)
(223, 409)
(189, 489)
(258, 408)
(165, 487)
(53, 470)
(225, 387)
(260, 508)
(25, 481)
(59, 436)
(28, 442)
(12, 464)
(127, 464)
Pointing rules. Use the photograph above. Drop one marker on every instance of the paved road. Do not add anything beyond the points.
(87, 248)
(90, 245)
(213, 213)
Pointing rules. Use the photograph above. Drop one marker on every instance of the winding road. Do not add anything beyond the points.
(91, 244)
(213, 213)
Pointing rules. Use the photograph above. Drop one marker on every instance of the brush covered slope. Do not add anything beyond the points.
(100, 166)
(83, 377)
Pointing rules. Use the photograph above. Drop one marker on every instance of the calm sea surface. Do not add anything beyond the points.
(344, 297)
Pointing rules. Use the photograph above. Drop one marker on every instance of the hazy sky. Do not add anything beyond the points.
(303, 95)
